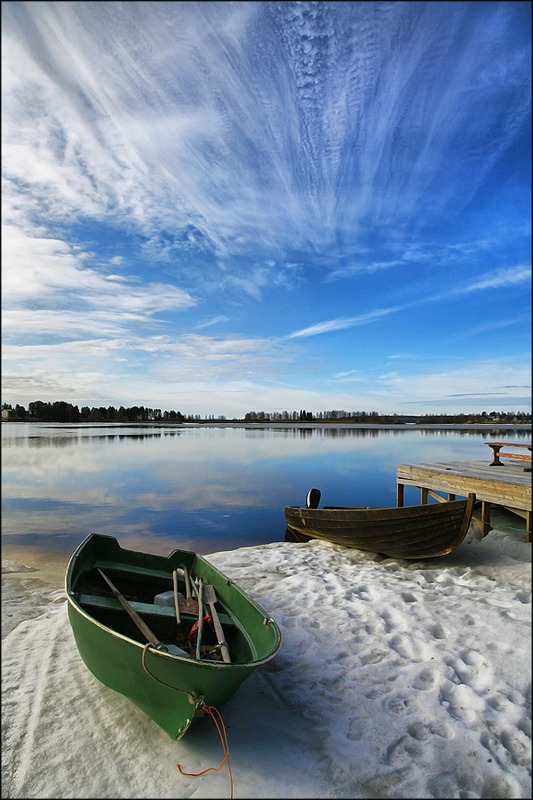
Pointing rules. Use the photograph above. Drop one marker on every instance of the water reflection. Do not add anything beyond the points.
(73, 437)
(202, 488)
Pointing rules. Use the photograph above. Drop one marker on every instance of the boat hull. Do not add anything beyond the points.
(171, 689)
(410, 532)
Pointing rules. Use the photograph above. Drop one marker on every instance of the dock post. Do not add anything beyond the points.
(399, 494)
(485, 518)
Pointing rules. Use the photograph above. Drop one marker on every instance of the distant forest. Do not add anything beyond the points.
(61, 411)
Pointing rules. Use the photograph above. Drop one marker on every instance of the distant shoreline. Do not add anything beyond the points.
(486, 426)
(366, 425)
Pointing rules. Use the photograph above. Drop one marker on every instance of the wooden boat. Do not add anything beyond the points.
(410, 532)
(124, 607)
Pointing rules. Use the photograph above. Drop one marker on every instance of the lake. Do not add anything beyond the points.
(203, 487)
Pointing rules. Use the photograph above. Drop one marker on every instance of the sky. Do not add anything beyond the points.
(223, 207)
(414, 680)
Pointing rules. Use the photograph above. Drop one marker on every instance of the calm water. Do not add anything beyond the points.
(201, 488)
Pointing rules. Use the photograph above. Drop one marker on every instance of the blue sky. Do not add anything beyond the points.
(224, 207)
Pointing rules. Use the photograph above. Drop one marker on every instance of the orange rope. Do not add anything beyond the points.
(221, 728)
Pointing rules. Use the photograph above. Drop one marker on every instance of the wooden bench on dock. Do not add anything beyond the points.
(497, 453)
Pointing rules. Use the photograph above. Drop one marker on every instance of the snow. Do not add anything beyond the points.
(395, 679)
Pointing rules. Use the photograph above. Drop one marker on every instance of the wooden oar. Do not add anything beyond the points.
(176, 596)
(210, 597)
(188, 605)
(188, 596)
(141, 624)
(200, 617)
(194, 588)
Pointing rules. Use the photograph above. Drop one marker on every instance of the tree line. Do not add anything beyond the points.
(375, 417)
(61, 411)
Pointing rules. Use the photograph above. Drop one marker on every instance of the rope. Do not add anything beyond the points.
(221, 728)
(192, 695)
(211, 710)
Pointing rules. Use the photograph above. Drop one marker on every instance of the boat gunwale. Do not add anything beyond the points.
(444, 505)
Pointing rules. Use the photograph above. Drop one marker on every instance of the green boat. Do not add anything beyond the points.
(171, 633)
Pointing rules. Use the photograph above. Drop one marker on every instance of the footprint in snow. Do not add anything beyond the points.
(427, 679)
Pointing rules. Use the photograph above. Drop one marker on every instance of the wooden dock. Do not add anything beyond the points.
(508, 486)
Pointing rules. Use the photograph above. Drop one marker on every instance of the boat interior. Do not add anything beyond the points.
(149, 592)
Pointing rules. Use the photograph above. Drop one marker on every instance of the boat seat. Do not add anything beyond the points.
(115, 567)
(103, 601)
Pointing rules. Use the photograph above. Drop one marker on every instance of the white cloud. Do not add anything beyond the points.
(343, 322)
(190, 131)
(40, 272)
(34, 324)
(508, 276)
(491, 378)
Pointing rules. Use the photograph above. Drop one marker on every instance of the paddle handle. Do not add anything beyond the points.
(141, 624)
(200, 618)
(176, 597)
(220, 634)
(188, 582)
